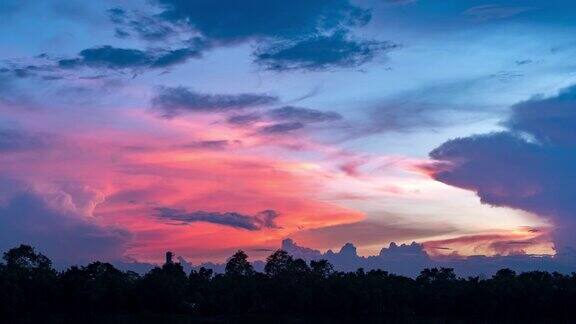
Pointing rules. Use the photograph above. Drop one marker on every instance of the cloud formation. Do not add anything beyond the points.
(262, 220)
(53, 223)
(178, 100)
(108, 57)
(303, 115)
(319, 52)
(372, 233)
(147, 27)
(229, 21)
(283, 120)
(299, 34)
(530, 166)
(281, 128)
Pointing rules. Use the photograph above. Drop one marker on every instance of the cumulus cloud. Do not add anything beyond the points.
(530, 166)
(319, 52)
(178, 100)
(28, 216)
(262, 220)
(372, 232)
(410, 259)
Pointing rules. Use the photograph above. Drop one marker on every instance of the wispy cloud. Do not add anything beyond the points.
(262, 220)
(175, 101)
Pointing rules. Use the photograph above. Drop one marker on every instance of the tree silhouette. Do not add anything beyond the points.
(28, 282)
(26, 259)
(31, 291)
(238, 265)
(278, 263)
(163, 288)
(321, 268)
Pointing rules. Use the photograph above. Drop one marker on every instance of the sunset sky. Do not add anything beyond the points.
(132, 127)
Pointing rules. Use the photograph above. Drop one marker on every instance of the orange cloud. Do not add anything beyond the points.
(524, 240)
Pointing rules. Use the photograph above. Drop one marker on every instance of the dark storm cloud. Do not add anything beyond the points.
(319, 52)
(231, 21)
(178, 100)
(530, 166)
(262, 220)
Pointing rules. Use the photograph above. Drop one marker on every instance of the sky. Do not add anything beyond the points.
(132, 127)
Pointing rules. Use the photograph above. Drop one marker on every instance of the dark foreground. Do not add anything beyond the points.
(289, 291)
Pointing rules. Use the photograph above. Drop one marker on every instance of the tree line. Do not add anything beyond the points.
(32, 291)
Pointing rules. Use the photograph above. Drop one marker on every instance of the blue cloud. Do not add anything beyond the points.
(232, 21)
(109, 57)
(292, 34)
(319, 52)
(147, 27)
(530, 166)
(27, 218)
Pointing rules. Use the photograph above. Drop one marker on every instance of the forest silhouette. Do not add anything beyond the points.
(289, 290)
